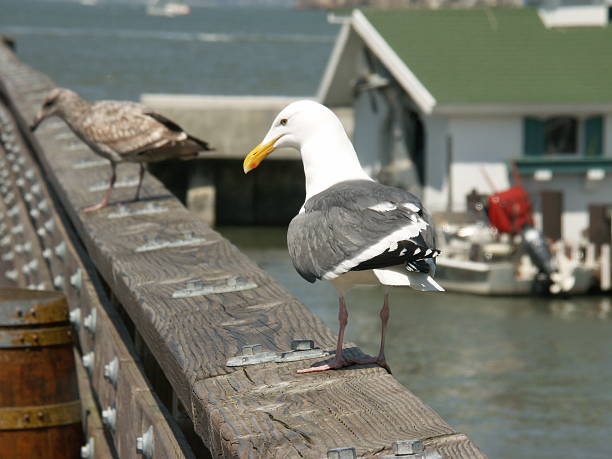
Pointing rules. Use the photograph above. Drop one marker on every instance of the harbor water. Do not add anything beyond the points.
(523, 377)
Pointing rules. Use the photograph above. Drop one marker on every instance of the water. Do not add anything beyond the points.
(523, 377)
(116, 51)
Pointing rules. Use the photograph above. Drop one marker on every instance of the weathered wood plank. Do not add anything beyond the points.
(262, 411)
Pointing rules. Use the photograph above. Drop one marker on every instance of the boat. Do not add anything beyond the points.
(168, 8)
(500, 252)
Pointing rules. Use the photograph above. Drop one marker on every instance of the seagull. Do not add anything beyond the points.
(120, 132)
(351, 229)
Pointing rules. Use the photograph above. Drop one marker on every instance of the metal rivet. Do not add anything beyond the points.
(87, 450)
(60, 250)
(76, 280)
(144, 444)
(90, 321)
(111, 370)
(109, 417)
(75, 317)
(88, 361)
(58, 281)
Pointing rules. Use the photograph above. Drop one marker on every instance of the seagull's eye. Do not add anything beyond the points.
(283, 122)
(48, 103)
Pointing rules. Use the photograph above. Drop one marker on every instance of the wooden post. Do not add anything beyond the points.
(604, 280)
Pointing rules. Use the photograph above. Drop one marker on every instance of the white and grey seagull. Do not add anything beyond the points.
(120, 132)
(351, 230)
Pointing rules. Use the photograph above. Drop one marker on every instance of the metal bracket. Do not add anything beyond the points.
(301, 349)
(150, 209)
(252, 354)
(102, 186)
(199, 288)
(86, 163)
(155, 243)
(342, 453)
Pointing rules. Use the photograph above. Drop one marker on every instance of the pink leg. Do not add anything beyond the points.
(140, 177)
(107, 193)
(339, 361)
(384, 320)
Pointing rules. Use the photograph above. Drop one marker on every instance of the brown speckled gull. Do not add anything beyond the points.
(120, 132)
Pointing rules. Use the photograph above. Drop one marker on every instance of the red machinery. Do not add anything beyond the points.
(509, 211)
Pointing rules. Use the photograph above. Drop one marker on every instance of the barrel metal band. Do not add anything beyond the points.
(34, 417)
(33, 311)
(32, 337)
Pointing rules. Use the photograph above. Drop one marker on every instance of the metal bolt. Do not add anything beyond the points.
(43, 205)
(47, 254)
(88, 361)
(36, 188)
(60, 250)
(49, 225)
(87, 450)
(111, 370)
(75, 317)
(403, 447)
(90, 321)
(11, 275)
(8, 256)
(342, 453)
(28, 197)
(144, 444)
(34, 213)
(302, 345)
(109, 417)
(29, 174)
(29, 267)
(20, 182)
(58, 281)
(76, 280)
(21, 160)
(41, 232)
(17, 229)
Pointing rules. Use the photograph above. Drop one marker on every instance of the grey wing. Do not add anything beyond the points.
(326, 244)
(125, 128)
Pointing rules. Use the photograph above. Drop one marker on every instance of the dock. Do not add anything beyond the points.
(161, 303)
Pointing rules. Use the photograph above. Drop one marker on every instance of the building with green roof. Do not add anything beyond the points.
(444, 100)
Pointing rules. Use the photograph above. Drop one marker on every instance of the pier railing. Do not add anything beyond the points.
(161, 303)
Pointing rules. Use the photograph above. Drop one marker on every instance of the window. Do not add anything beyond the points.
(559, 135)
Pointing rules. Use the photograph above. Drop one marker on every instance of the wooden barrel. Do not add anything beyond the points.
(40, 411)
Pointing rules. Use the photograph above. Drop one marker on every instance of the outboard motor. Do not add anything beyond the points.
(536, 247)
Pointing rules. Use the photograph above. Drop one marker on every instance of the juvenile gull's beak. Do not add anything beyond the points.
(39, 118)
(258, 154)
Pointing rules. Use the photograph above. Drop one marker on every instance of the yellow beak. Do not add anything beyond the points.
(258, 154)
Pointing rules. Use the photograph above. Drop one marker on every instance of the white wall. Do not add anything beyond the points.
(478, 144)
(436, 185)
(578, 194)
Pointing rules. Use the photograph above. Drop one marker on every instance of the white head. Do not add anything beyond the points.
(317, 133)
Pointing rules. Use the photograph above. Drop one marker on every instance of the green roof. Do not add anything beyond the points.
(499, 55)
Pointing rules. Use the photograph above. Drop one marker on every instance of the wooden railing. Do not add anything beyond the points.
(161, 302)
